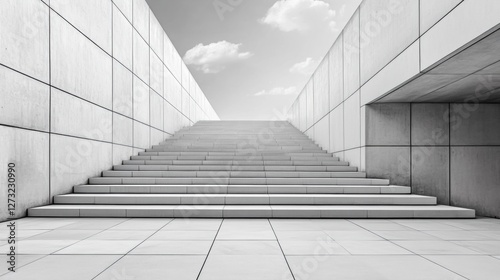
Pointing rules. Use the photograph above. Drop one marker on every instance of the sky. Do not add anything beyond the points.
(252, 58)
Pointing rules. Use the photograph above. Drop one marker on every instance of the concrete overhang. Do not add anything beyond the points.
(470, 74)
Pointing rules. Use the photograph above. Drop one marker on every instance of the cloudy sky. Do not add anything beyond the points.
(252, 57)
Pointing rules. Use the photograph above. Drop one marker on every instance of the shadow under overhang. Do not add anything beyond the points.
(472, 74)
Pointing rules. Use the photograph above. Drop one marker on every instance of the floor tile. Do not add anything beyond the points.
(367, 267)
(184, 235)
(404, 235)
(380, 225)
(21, 261)
(36, 247)
(138, 267)
(142, 224)
(111, 234)
(426, 247)
(98, 247)
(352, 235)
(249, 267)
(167, 247)
(64, 267)
(93, 223)
(483, 247)
(471, 267)
(22, 233)
(426, 225)
(193, 224)
(320, 247)
(64, 235)
(239, 247)
(457, 235)
(301, 235)
(372, 248)
(490, 234)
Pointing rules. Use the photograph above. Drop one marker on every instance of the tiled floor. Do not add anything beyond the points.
(235, 249)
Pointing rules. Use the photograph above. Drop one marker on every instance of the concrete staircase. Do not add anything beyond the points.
(242, 169)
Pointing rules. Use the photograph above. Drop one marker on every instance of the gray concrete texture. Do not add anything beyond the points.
(391, 54)
(84, 85)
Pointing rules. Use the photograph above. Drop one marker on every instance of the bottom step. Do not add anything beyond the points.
(251, 211)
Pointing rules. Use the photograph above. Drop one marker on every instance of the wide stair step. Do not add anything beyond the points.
(235, 169)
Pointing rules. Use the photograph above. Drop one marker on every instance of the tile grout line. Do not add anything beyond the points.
(126, 254)
(52, 254)
(281, 248)
(209, 250)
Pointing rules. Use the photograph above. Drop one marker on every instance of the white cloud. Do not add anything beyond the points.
(305, 67)
(277, 91)
(214, 57)
(300, 15)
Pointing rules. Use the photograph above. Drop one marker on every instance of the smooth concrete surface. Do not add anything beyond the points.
(188, 249)
(92, 94)
(412, 54)
(478, 188)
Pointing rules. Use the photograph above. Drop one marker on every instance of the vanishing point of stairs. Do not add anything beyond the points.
(252, 169)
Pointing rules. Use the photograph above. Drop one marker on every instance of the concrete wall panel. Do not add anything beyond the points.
(78, 66)
(387, 27)
(141, 101)
(321, 92)
(391, 163)
(430, 172)
(29, 151)
(336, 73)
(429, 125)
(402, 68)
(172, 59)
(156, 70)
(476, 124)
(122, 38)
(24, 101)
(310, 104)
(388, 124)
(352, 122)
(25, 37)
(351, 50)
(122, 130)
(121, 153)
(474, 179)
(122, 89)
(91, 17)
(141, 18)
(76, 117)
(141, 135)
(141, 57)
(125, 7)
(337, 129)
(432, 11)
(156, 32)
(156, 110)
(73, 161)
(467, 21)
(322, 134)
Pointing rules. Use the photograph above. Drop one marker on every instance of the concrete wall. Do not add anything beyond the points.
(85, 84)
(385, 44)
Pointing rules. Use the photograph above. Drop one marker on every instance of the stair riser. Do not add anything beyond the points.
(237, 181)
(225, 212)
(232, 163)
(233, 174)
(239, 189)
(234, 168)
